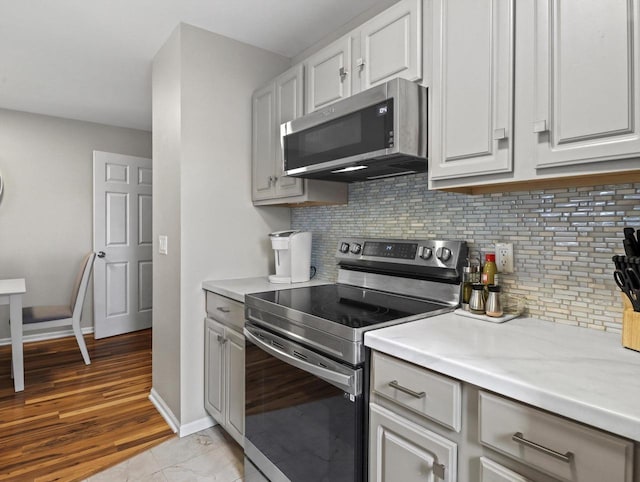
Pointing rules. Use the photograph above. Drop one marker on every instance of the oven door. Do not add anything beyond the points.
(303, 412)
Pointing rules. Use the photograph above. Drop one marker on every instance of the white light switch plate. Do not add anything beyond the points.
(504, 257)
(162, 244)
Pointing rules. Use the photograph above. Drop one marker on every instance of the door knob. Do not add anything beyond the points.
(101, 254)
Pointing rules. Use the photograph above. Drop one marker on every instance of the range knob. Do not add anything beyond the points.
(344, 248)
(443, 254)
(426, 253)
(355, 249)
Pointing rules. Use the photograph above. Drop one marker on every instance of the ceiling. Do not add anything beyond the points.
(91, 59)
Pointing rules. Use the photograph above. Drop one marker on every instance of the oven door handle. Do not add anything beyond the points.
(340, 380)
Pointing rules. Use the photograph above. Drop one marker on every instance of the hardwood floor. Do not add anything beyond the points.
(73, 420)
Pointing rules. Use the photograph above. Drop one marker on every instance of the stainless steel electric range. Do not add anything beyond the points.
(306, 368)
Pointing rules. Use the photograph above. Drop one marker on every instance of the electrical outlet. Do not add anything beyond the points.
(504, 257)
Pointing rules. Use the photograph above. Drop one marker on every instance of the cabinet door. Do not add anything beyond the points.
(234, 347)
(402, 450)
(328, 74)
(391, 45)
(491, 471)
(214, 369)
(263, 142)
(586, 89)
(289, 106)
(472, 91)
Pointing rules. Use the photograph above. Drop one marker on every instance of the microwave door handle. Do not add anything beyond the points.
(344, 382)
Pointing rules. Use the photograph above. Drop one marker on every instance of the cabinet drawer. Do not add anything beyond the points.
(557, 446)
(225, 310)
(434, 396)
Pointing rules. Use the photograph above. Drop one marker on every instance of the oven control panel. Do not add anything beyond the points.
(433, 253)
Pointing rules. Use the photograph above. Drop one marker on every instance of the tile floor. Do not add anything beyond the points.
(209, 455)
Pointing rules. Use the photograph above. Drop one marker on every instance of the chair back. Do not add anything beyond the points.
(81, 282)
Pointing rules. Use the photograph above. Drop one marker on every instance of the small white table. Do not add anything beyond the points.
(11, 291)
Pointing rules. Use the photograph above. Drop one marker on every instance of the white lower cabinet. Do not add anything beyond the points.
(491, 471)
(234, 387)
(214, 369)
(426, 426)
(559, 447)
(401, 450)
(224, 365)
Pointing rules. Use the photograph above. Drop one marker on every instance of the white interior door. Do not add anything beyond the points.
(122, 237)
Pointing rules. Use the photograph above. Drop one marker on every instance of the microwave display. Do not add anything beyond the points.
(366, 130)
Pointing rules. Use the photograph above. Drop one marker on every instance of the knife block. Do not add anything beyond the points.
(630, 325)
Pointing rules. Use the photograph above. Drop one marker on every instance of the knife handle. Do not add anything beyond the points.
(629, 247)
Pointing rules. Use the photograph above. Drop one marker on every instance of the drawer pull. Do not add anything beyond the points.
(222, 340)
(519, 438)
(408, 391)
(224, 309)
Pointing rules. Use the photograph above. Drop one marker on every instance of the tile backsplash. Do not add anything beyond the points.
(563, 239)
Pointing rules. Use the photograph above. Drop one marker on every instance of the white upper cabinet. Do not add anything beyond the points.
(280, 101)
(575, 100)
(585, 81)
(387, 46)
(329, 74)
(289, 105)
(391, 45)
(263, 142)
(472, 88)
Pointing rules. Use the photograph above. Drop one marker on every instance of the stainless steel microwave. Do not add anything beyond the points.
(380, 132)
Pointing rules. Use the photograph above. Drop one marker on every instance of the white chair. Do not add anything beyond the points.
(42, 317)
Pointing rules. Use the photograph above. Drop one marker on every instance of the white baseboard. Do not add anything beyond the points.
(51, 335)
(164, 410)
(172, 420)
(196, 426)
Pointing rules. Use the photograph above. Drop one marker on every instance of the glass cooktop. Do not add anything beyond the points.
(349, 305)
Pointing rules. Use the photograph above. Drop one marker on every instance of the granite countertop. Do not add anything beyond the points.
(237, 288)
(580, 373)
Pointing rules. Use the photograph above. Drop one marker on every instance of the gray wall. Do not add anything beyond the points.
(563, 238)
(166, 220)
(202, 142)
(46, 211)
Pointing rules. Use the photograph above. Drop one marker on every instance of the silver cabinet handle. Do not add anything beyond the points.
(221, 339)
(540, 126)
(408, 391)
(360, 63)
(519, 438)
(438, 470)
(224, 309)
(499, 134)
(343, 73)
